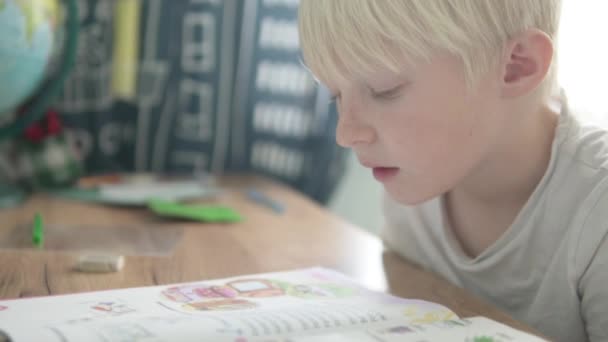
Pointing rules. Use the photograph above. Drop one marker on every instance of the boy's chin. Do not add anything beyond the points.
(409, 198)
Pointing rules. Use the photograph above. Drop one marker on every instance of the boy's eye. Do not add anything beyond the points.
(388, 93)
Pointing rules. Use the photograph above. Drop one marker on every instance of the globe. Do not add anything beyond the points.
(27, 31)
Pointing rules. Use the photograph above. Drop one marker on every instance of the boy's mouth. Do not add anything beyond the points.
(381, 173)
(384, 174)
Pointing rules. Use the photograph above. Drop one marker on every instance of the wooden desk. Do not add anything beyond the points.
(305, 235)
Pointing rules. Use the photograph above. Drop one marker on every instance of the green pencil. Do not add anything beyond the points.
(38, 231)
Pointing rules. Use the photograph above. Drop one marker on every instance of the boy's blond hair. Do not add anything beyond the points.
(343, 38)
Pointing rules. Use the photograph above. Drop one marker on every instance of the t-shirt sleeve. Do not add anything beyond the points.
(593, 287)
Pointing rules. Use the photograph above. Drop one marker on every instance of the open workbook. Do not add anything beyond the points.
(306, 305)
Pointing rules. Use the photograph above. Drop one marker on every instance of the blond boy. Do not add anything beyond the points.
(490, 180)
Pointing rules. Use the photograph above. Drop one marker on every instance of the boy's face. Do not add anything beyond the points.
(422, 132)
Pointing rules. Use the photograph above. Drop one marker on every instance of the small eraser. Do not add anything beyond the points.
(100, 263)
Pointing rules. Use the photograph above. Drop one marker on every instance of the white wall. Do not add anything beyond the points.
(357, 198)
(583, 57)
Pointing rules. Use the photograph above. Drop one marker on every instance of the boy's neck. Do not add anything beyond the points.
(484, 206)
(515, 166)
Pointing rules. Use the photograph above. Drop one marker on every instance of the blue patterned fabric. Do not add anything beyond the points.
(220, 88)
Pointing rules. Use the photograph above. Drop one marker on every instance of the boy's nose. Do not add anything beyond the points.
(352, 130)
(351, 134)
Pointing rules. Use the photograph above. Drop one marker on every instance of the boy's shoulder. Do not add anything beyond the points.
(580, 135)
(578, 190)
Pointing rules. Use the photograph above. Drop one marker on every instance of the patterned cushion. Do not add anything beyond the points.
(218, 86)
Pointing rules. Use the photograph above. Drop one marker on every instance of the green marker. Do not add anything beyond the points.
(38, 231)
(202, 213)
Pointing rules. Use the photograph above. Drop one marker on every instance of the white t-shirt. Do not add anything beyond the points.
(550, 268)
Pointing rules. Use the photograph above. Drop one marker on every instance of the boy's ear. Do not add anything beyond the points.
(527, 61)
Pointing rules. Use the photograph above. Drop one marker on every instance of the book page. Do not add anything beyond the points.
(475, 329)
(271, 306)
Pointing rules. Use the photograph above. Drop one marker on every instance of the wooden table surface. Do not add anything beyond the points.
(305, 235)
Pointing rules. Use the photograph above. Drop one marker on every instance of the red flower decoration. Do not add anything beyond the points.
(53, 123)
(49, 125)
(34, 133)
